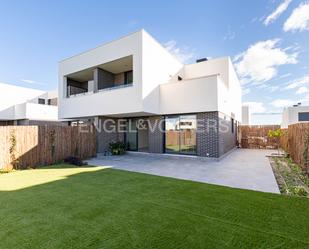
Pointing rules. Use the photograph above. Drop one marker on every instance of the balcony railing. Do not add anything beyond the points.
(73, 90)
(115, 87)
(81, 91)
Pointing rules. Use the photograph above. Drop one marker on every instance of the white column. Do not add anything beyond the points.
(65, 87)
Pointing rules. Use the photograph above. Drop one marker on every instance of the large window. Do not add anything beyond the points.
(180, 135)
(303, 116)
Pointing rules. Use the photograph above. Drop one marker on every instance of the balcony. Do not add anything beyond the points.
(31, 111)
(108, 76)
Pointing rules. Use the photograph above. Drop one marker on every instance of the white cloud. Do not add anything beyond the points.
(273, 88)
(277, 12)
(302, 90)
(183, 53)
(238, 57)
(285, 75)
(305, 99)
(230, 35)
(260, 61)
(268, 87)
(299, 19)
(246, 91)
(32, 82)
(298, 82)
(244, 81)
(255, 107)
(282, 102)
(262, 86)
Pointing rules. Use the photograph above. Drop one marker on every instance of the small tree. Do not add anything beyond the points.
(12, 149)
(277, 135)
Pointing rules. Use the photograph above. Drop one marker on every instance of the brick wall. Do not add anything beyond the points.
(207, 136)
(227, 136)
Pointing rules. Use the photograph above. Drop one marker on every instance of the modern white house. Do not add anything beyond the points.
(294, 114)
(26, 106)
(186, 109)
(260, 118)
(246, 115)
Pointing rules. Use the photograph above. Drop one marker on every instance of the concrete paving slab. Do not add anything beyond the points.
(243, 168)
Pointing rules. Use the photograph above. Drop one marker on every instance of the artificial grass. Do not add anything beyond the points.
(106, 208)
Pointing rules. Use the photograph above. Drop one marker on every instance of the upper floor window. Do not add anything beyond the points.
(41, 101)
(303, 116)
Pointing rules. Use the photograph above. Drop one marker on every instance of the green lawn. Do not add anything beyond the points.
(72, 207)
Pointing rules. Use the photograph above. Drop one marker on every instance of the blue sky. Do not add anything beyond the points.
(268, 40)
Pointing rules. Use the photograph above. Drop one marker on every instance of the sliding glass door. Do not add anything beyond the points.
(188, 134)
(180, 135)
(172, 135)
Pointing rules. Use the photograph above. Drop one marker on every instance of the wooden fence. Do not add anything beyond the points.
(294, 140)
(255, 136)
(186, 137)
(296, 143)
(284, 140)
(30, 146)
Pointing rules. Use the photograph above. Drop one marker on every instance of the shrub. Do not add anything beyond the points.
(75, 161)
(117, 148)
(299, 191)
(277, 135)
(52, 135)
(14, 159)
(5, 171)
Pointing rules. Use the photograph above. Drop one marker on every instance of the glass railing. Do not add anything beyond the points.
(115, 87)
(75, 91)
(80, 91)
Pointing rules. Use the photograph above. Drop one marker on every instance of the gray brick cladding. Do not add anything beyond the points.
(214, 136)
(207, 136)
(227, 137)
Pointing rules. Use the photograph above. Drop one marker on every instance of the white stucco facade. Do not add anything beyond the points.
(161, 84)
(246, 115)
(291, 114)
(20, 103)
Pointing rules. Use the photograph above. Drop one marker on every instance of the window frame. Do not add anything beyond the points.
(126, 77)
(41, 101)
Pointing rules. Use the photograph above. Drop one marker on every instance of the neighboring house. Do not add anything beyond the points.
(260, 118)
(197, 106)
(246, 115)
(26, 106)
(294, 114)
(266, 118)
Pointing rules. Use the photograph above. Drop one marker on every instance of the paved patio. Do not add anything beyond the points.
(243, 168)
